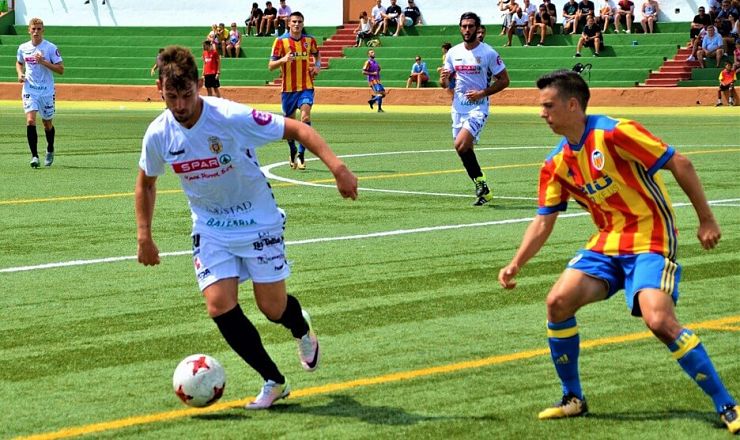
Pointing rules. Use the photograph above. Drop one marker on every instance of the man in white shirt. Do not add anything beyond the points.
(379, 21)
(36, 62)
(471, 61)
(211, 143)
(283, 15)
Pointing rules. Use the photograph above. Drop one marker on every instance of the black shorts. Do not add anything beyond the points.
(725, 87)
(211, 82)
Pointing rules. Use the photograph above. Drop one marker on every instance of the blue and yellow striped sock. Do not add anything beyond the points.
(564, 349)
(688, 350)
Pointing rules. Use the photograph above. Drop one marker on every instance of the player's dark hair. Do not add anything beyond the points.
(568, 84)
(177, 66)
(297, 14)
(447, 46)
(469, 16)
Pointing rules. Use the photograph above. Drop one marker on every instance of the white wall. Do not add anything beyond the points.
(165, 12)
(317, 12)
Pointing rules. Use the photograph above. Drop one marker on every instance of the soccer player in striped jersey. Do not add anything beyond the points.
(610, 167)
(291, 52)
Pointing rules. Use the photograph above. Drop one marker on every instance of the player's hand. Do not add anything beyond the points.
(39, 57)
(444, 74)
(148, 253)
(506, 276)
(709, 233)
(475, 95)
(346, 182)
(314, 71)
(289, 57)
(21, 78)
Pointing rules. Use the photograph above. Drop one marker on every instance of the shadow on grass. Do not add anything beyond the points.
(237, 414)
(669, 414)
(345, 406)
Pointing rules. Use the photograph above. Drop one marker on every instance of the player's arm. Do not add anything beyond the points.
(534, 238)
(346, 181)
(218, 65)
(145, 195)
(19, 71)
(685, 174)
(316, 63)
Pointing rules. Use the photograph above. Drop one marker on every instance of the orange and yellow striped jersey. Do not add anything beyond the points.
(295, 74)
(613, 174)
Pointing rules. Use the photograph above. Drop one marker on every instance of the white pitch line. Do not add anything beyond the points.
(328, 239)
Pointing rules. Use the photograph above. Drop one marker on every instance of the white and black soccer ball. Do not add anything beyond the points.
(199, 380)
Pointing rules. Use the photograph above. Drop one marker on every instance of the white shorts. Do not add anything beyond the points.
(42, 104)
(473, 122)
(262, 260)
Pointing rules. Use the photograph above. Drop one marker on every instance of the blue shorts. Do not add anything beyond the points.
(631, 273)
(377, 88)
(292, 101)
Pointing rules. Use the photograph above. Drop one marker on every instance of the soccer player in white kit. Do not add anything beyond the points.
(40, 58)
(472, 61)
(210, 143)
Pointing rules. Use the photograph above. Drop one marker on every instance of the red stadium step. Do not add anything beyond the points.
(672, 71)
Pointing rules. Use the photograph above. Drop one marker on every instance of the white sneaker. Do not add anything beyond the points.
(691, 58)
(308, 346)
(271, 392)
(34, 162)
(628, 31)
(49, 159)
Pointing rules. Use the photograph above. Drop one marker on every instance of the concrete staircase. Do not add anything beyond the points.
(672, 71)
(333, 46)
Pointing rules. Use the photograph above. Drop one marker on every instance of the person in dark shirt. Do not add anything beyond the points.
(394, 14)
(552, 12)
(701, 20)
(541, 25)
(253, 21)
(412, 14)
(585, 8)
(268, 18)
(591, 37)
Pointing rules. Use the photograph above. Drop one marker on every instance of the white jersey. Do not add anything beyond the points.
(472, 69)
(229, 196)
(39, 79)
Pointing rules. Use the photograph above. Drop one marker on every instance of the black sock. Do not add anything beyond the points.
(50, 139)
(293, 149)
(380, 102)
(292, 318)
(33, 140)
(243, 338)
(470, 162)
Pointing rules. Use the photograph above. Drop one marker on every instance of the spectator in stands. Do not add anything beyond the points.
(481, 34)
(394, 15)
(512, 6)
(695, 44)
(155, 67)
(727, 79)
(586, 8)
(211, 69)
(223, 38)
(650, 10)
(519, 25)
(503, 6)
(371, 69)
(378, 13)
(570, 13)
(213, 35)
(625, 10)
(282, 17)
(541, 25)
(591, 37)
(412, 14)
(606, 15)
(234, 45)
(728, 14)
(552, 12)
(268, 20)
(363, 30)
(724, 29)
(714, 7)
(528, 9)
(419, 74)
(711, 46)
(701, 20)
(254, 20)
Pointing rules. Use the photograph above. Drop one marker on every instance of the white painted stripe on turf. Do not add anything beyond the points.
(327, 239)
